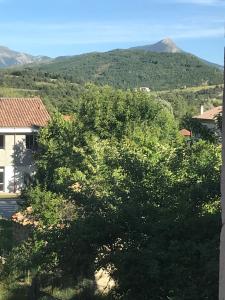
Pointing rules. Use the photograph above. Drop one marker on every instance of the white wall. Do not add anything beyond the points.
(14, 177)
(210, 124)
(16, 160)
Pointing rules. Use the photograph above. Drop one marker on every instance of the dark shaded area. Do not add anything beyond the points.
(23, 167)
(8, 207)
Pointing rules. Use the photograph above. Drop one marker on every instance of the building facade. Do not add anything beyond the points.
(20, 122)
(209, 117)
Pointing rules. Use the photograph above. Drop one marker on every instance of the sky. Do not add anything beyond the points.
(69, 27)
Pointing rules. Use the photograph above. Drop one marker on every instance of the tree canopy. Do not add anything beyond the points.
(117, 188)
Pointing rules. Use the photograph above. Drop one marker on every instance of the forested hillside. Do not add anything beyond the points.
(135, 68)
(63, 94)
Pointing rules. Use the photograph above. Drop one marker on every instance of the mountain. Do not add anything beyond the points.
(221, 68)
(133, 68)
(159, 66)
(10, 58)
(166, 45)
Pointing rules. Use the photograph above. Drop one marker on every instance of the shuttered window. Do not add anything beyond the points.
(2, 141)
(31, 142)
(1, 179)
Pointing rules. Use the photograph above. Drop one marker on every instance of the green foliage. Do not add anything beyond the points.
(29, 83)
(144, 203)
(118, 113)
(13, 292)
(189, 100)
(63, 94)
(5, 237)
(48, 208)
(136, 68)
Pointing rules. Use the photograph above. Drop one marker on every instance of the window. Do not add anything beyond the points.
(1, 179)
(27, 180)
(2, 141)
(31, 142)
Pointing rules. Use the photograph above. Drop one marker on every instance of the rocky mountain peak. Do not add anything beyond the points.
(165, 45)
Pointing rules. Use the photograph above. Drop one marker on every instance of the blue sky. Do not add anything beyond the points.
(56, 27)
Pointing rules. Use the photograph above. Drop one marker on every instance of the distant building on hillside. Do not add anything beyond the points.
(143, 89)
(20, 121)
(209, 118)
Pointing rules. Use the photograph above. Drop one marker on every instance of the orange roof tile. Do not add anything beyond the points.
(185, 132)
(22, 112)
(210, 114)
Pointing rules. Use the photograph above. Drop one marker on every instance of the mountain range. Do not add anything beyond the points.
(160, 66)
(9, 58)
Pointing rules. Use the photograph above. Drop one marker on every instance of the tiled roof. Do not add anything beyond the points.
(22, 112)
(210, 114)
(185, 132)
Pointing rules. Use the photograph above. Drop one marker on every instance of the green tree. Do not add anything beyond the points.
(116, 188)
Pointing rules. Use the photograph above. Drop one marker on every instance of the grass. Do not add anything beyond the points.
(13, 92)
(12, 289)
(9, 196)
(15, 292)
(187, 90)
(21, 292)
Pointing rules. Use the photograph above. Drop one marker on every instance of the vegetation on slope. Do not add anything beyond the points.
(189, 100)
(62, 94)
(135, 68)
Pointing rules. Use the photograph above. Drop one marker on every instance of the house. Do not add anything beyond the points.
(145, 89)
(20, 121)
(209, 118)
(185, 133)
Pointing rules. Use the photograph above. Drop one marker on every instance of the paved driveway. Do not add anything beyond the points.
(8, 207)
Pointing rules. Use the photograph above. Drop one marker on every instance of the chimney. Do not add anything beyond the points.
(202, 109)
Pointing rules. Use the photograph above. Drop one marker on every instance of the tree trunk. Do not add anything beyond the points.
(34, 291)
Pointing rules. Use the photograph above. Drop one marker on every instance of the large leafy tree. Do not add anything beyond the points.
(116, 188)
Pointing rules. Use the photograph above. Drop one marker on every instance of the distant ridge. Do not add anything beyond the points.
(212, 64)
(10, 58)
(166, 45)
(132, 68)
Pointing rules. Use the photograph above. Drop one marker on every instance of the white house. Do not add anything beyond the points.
(208, 118)
(143, 89)
(20, 121)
